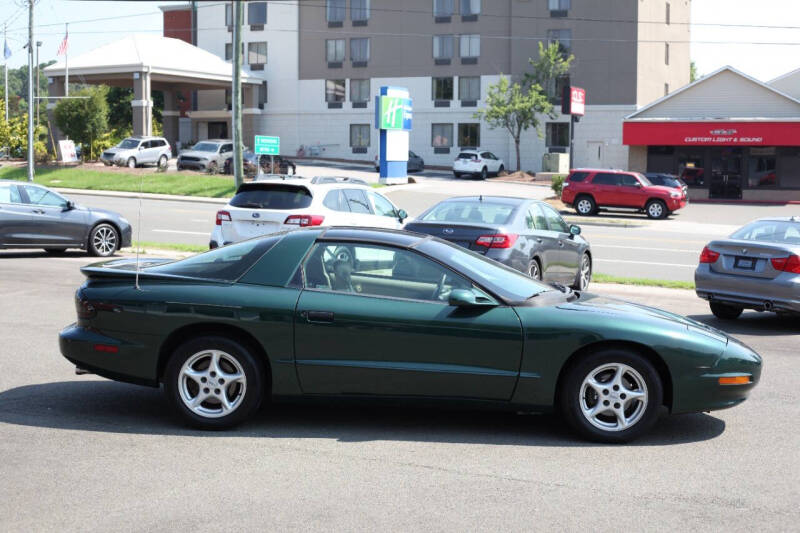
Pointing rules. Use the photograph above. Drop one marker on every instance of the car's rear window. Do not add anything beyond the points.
(466, 155)
(470, 212)
(578, 176)
(272, 196)
(228, 263)
(779, 231)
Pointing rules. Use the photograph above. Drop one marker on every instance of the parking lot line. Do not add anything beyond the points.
(644, 248)
(648, 239)
(644, 263)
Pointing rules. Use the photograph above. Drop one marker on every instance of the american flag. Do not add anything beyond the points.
(62, 48)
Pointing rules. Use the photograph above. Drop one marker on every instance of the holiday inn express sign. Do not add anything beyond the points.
(395, 113)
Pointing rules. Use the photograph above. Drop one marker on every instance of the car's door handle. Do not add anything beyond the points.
(38, 211)
(561, 243)
(317, 316)
(539, 240)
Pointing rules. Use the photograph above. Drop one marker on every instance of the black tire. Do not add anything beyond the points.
(213, 168)
(573, 397)
(535, 269)
(131, 163)
(180, 167)
(162, 162)
(501, 170)
(55, 251)
(456, 175)
(581, 280)
(656, 209)
(484, 173)
(725, 311)
(246, 396)
(103, 240)
(585, 205)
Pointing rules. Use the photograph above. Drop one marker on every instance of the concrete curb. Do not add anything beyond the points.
(145, 196)
(605, 223)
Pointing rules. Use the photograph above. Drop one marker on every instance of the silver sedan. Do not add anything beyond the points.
(758, 267)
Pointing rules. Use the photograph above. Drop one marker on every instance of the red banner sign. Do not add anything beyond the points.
(711, 133)
(577, 98)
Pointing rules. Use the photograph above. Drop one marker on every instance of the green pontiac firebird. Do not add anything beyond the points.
(381, 314)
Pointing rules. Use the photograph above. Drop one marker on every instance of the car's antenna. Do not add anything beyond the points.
(139, 231)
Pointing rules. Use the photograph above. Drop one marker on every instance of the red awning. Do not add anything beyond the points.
(711, 133)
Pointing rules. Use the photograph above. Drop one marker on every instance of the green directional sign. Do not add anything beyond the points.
(265, 145)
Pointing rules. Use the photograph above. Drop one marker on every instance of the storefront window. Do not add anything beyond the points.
(762, 168)
(690, 167)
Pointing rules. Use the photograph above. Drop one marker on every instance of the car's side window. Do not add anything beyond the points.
(539, 220)
(226, 148)
(39, 196)
(529, 222)
(357, 200)
(629, 181)
(554, 220)
(606, 178)
(9, 194)
(382, 206)
(333, 200)
(379, 271)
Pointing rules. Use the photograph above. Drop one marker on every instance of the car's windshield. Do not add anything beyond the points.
(470, 212)
(127, 144)
(225, 264)
(509, 284)
(205, 147)
(272, 196)
(780, 231)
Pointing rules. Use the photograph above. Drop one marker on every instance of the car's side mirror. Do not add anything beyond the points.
(574, 230)
(638, 185)
(69, 206)
(468, 298)
(402, 215)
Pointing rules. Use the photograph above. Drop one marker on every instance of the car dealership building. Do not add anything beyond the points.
(727, 134)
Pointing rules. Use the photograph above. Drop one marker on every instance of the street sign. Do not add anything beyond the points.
(265, 145)
(573, 101)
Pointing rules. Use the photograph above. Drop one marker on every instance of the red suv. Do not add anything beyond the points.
(589, 189)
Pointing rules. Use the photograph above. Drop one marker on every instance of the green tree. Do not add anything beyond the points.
(554, 62)
(514, 107)
(84, 119)
(692, 72)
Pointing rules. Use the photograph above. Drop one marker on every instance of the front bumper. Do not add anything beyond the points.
(677, 203)
(779, 294)
(197, 165)
(126, 239)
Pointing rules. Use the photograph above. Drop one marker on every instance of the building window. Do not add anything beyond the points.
(228, 51)
(442, 135)
(469, 135)
(666, 53)
(359, 10)
(470, 45)
(443, 47)
(442, 88)
(257, 14)
(336, 10)
(228, 14)
(561, 37)
(359, 135)
(557, 134)
(469, 88)
(555, 89)
(228, 98)
(359, 50)
(257, 54)
(263, 95)
(442, 8)
(334, 50)
(558, 8)
(334, 91)
(470, 7)
(666, 18)
(359, 91)
(666, 89)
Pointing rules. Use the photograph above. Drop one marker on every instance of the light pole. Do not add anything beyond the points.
(38, 44)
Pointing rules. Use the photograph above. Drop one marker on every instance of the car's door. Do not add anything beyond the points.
(385, 212)
(495, 162)
(15, 217)
(630, 192)
(568, 249)
(604, 188)
(225, 151)
(145, 155)
(374, 320)
(489, 161)
(53, 223)
(546, 243)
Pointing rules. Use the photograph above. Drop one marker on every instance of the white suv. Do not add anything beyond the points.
(271, 205)
(477, 163)
(138, 151)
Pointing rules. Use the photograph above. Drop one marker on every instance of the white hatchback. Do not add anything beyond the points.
(268, 206)
(477, 163)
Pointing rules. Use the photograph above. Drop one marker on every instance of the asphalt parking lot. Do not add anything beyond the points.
(83, 453)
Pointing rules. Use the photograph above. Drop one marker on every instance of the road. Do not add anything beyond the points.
(83, 453)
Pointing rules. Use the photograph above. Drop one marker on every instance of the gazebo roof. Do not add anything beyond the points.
(165, 58)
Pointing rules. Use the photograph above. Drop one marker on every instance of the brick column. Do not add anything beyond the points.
(170, 115)
(142, 104)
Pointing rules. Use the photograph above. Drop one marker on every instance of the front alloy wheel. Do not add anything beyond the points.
(103, 240)
(131, 162)
(656, 209)
(584, 274)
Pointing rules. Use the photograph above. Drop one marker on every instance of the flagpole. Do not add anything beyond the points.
(66, 64)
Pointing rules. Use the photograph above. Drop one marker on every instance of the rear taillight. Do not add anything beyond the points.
(304, 220)
(85, 309)
(498, 240)
(223, 216)
(708, 256)
(787, 264)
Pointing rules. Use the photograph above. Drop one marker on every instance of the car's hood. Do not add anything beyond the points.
(661, 189)
(102, 213)
(197, 153)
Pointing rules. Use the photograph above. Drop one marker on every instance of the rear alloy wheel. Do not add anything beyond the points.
(212, 167)
(584, 275)
(725, 311)
(656, 209)
(585, 206)
(162, 162)
(535, 270)
(103, 240)
(131, 162)
(214, 382)
(611, 395)
(484, 173)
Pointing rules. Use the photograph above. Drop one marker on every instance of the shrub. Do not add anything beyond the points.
(557, 184)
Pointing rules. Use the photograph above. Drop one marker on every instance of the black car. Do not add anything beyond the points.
(415, 163)
(667, 180)
(250, 162)
(527, 235)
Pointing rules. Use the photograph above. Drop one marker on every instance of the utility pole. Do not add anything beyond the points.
(38, 44)
(5, 67)
(236, 92)
(31, 101)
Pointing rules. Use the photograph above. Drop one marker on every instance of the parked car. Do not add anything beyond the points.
(527, 235)
(32, 216)
(693, 176)
(269, 206)
(250, 162)
(138, 151)
(588, 190)
(206, 155)
(477, 163)
(668, 180)
(757, 267)
(389, 315)
(415, 163)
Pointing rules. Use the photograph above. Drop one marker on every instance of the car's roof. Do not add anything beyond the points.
(609, 170)
(510, 200)
(777, 219)
(388, 236)
(308, 184)
(471, 151)
(143, 137)
(215, 141)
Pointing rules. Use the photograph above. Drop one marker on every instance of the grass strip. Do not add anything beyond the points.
(645, 282)
(193, 248)
(99, 180)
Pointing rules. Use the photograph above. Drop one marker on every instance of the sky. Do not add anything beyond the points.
(712, 46)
